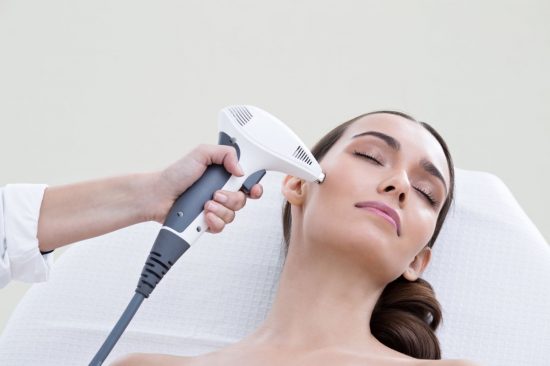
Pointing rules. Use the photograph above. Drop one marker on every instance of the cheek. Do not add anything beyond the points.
(320, 207)
(420, 228)
(327, 209)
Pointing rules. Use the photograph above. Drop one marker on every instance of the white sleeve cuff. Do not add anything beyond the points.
(21, 253)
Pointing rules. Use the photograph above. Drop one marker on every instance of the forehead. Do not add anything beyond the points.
(416, 142)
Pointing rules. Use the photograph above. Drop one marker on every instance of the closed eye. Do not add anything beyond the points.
(368, 157)
(429, 196)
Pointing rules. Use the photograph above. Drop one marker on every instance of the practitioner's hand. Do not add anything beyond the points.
(179, 176)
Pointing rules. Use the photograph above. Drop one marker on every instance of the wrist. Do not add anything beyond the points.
(155, 197)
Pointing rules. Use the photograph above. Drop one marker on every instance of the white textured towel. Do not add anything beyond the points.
(490, 270)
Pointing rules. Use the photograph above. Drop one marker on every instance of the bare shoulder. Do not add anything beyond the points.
(151, 359)
(449, 363)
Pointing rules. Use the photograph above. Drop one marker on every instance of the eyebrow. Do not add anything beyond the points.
(393, 143)
(396, 146)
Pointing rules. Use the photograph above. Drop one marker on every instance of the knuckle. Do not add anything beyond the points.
(231, 217)
(220, 227)
(241, 201)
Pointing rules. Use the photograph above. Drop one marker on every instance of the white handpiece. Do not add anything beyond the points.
(263, 143)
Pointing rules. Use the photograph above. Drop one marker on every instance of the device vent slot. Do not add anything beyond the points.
(301, 154)
(241, 114)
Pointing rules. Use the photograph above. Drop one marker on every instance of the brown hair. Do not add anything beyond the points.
(407, 313)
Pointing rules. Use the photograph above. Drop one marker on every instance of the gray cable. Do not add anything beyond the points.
(117, 331)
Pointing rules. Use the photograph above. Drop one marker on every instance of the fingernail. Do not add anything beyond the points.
(241, 171)
(220, 197)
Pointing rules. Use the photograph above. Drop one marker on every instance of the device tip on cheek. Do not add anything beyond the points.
(321, 178)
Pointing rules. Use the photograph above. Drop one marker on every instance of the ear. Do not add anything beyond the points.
(293, 190)
(418, 265)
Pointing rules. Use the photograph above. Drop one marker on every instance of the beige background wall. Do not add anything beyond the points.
(95, 88)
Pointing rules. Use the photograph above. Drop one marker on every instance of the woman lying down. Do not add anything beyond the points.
(350, 291)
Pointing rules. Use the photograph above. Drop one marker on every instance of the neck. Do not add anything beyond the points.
(323, 300)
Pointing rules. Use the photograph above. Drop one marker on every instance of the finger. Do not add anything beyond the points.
(232, 200)
(256, 191)
(221, 211)
(215, 224)
(220, 154)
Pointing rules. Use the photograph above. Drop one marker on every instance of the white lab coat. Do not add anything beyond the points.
(20, 258)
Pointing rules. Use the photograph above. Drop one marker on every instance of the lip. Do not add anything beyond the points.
(385, 211)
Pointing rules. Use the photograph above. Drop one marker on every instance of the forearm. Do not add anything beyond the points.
(80, 211)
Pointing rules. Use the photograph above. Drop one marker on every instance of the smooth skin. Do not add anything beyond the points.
(341, 257)
(83, 210)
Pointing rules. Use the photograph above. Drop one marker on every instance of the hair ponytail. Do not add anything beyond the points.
(405, 318)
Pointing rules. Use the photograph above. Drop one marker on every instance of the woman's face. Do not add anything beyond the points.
(380, 159)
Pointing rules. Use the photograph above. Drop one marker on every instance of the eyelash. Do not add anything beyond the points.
(427, 194)
(370, 157)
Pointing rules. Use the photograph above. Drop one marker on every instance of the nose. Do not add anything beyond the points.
(396, 184)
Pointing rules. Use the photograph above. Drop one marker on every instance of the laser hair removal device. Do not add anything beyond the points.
(262, 143)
